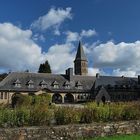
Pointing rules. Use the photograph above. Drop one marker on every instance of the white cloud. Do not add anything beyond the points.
(60, 57)
(123, 57)
(127, 73)
(72, 36)
(38, 37)
(75, 36)
(17, 49)
(54, 18)
(88, 33)
(93, 71)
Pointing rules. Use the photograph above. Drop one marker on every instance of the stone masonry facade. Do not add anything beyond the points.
(70, 132)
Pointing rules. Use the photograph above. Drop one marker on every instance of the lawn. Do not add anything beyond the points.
(125, 137)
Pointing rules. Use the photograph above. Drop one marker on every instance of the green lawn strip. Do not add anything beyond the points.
(123, 137)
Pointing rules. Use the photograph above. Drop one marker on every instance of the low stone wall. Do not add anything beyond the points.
(70, 132)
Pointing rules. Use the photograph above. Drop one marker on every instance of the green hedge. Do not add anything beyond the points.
(41, 113)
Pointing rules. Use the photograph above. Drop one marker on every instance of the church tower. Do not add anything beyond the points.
(80, 62)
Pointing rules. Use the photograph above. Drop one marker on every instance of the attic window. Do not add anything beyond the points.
(79, 85)
(43, 84)
(17, 83)
(30, 84)
(66, 85)
(55, 84)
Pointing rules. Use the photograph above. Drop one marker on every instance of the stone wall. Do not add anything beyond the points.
(70, 132)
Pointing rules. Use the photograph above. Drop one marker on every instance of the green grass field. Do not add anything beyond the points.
(125, 137)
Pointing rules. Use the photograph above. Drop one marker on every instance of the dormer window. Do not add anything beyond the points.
(55, 84)
(66, 85)
(78, 85)
(43, 84)
(30, 84)
(17, 83)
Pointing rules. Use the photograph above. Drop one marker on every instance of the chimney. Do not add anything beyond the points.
(138, 79)
(69, 73)
(97, 75)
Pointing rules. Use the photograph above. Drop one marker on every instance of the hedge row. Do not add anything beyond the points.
(41, 113)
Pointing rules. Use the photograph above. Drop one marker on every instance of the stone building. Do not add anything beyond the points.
(69, 87)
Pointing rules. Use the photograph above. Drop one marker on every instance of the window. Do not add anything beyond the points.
(1, 95)
(66, 85)
(5, 95)
(55, 84)
(30, 84)
(78, 85)
(43, 84)
(17, 83)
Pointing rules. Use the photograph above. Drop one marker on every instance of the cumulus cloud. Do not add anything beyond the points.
(123, 57)
(17, 49)
(93, 71)
(127, 73)
(88, 33)
(60, 57)
(53, 19)
(75, 36)
(72, 36)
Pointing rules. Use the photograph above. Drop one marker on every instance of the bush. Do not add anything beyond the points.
(40, 115)
(88, 115)
(66, 115)
(21, 100)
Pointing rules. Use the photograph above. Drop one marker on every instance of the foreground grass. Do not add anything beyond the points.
(125, 137)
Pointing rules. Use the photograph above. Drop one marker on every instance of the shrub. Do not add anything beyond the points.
(40, 115)
(66, 115)
(88, 115)
(42, 99)
(21, 100)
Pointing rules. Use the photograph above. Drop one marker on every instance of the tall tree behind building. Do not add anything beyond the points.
(45, 68)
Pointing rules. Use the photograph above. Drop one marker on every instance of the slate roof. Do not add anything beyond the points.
(36, 78)
(88, 83)
(17, 82)
(114, 80)
(43, 82)
(80, 53)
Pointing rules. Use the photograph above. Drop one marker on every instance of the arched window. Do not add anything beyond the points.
(57, 98)
(68, 98)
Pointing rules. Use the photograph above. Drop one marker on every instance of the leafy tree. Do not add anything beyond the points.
(2, 76)
(44, 68)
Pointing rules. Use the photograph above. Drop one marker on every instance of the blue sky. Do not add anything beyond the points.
(32, 31)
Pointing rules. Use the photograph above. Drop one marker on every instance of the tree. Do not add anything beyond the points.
(44, 68)
(2, 76)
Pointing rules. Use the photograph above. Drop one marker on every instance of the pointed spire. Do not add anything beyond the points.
(80, 53)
